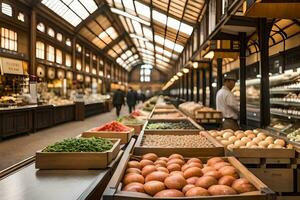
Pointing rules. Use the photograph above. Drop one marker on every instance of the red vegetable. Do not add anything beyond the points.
(113, 126)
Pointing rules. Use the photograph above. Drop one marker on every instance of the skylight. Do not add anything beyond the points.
(73, 11)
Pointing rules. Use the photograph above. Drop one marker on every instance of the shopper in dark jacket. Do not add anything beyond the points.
(131, 99)
(118, 101)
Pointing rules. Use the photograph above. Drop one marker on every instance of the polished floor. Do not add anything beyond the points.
(16, 149)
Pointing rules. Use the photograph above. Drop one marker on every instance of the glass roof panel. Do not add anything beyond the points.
(73, 11)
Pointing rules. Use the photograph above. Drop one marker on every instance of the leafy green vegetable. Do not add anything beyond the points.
(81, 145)
(129, 120)
(171, 125)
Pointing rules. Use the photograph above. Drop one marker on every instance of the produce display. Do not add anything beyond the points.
(248, 139)
(189, 108)
(170, 125)
(130, 120)
(290, 111)
(113, 126)
(148, 107)
(177, 177)
(165, 110)
(294, 136)
(179, 141)
(294, 86)
(92, 144)
(167, 115)
(290, 97)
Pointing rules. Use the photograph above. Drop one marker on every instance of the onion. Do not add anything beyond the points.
(232, 139)
(133, 170)
(153, 187)
(175, 182)
(206, 182)
(216, 190)
(174, 167)
(150, 156)
(243, 185)
(239, 143)
(214, 160)
(263, 144)
(163, 169)
(194, 160)
(161, 163)
(134, 187)
(176, 156)
(163, 158)
(148, 169)
(130, 178)
(219, 165)
(226, 135)
(226, 180)
(261, 136)
(177, 172)
(240, 135)
(248, 132)
(197, 191)
(187, 187)
(228, 170)
(193, 164)
(176, 161)
(249, 144)
(193, 171)
(251, 136)
(257, 140)
(156, 176)
(280, 142)
(134, 164)
(145, 163)
(192, 180)
(169, 193)
(225, 142)
(215, 174)
(245, 140)
(269, 139)
(208, 168)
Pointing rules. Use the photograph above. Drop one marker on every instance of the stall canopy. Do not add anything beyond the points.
(133, 32)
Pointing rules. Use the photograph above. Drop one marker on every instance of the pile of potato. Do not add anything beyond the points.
(248, 139)
(180, 141)
(176, 177)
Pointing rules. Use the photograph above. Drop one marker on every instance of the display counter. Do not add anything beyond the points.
(28, 183)
(94, 108)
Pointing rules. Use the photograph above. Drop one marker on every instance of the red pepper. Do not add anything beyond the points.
(113, 126)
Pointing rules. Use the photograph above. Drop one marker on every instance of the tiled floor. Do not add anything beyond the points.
(19, 148)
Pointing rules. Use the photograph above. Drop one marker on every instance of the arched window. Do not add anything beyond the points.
(59, 37)
(41, 27)
(40, 50)
(21, 17)
(6, 9)
(51, 32)
(68, 42)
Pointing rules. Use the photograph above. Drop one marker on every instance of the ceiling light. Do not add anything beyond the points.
(125, 14)
(175, 77)
(195, 65)
(210, 55)
(179, 74)
(185, 70)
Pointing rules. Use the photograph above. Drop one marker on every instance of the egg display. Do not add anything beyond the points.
(252, 139)
(184, 177)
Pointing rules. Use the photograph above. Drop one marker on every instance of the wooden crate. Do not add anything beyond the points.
(182, 117)
(77, 160)
(217, 150)
(124, 136)
(168, 106)
(137, 127)
(277, 179)
(113, 190)
(213, 114)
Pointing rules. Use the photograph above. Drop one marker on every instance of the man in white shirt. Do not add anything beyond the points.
(227, 104)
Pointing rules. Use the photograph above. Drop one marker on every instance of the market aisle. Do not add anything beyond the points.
(16, 149)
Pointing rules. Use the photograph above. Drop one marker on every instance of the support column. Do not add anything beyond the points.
(219, 73)
(198, 85)
(204, 87)
(32, 37)
(243, 107)
(192, 84)
(210, 81)
(263, 35)
(187, 86)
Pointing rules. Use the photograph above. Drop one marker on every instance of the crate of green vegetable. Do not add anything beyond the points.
(78, 154)
(171, 126)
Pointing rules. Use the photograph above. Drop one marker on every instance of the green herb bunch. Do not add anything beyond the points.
(92, 144)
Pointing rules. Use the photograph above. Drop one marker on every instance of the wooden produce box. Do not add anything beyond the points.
(208, 114)
(77, 160)
(167, 106)
(137, 127)
(164, 110)
(196, 128)
(216, 150)
(124, 136)
(113, 190)
(181, 117)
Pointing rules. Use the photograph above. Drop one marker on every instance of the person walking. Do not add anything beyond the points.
(227, 104)
(131, 99)
(118, 101)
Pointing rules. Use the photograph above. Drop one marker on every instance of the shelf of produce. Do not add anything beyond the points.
(113, 190)
(285, 115)
(215, 148)
(284, 90)
(29, 183)
(285, 103)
